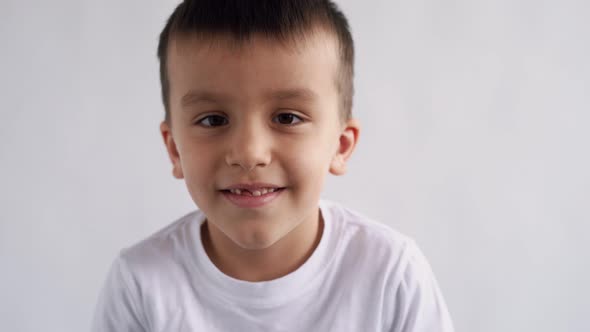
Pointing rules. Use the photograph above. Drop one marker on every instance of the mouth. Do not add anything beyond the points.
(251, 196)
(252, 192)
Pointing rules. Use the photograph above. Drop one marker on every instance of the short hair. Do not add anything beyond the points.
(283, 20)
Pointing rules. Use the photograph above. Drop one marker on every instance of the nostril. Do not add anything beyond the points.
(248, 154)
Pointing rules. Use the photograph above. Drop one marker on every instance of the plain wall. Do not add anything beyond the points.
(475, 142)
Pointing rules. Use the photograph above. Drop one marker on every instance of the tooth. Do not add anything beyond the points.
(271, 190)
(238, 192)
(264, 191)
(256, 193)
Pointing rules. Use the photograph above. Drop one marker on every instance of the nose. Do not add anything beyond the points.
(250, 147)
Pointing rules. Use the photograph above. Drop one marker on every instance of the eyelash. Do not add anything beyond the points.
(225, 121)
(299, 119)
(209, 117)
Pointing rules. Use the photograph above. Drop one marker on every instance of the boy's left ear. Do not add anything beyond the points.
(347, 142)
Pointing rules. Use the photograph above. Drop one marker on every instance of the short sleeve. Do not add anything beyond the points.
(419, 305)
(116, 308)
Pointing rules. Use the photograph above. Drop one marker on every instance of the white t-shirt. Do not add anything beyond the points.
(363, 276)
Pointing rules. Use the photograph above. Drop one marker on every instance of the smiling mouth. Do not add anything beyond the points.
(252, 196)
(252, 192)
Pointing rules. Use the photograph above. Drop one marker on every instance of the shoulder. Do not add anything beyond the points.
(157, 262)
(411, 296)
(368, 245)
(362, 233)
(415, 296)
(165, 247)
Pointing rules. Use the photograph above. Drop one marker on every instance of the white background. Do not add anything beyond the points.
(475, 142)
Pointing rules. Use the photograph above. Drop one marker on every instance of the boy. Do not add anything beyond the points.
(258, 98)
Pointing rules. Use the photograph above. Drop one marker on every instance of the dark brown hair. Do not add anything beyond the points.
(283, 20)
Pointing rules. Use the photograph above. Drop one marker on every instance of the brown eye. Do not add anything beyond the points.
(287, 119)
(213, 121)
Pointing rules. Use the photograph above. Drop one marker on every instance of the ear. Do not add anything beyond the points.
(172, 150)
(347, 142)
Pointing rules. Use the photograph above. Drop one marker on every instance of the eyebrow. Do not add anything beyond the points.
(198, 96)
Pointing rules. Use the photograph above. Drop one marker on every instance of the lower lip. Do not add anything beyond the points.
(244, 201)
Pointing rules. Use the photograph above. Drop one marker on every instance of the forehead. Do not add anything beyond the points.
(257, 69)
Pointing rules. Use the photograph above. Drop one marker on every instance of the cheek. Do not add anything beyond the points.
(309, 159)
(199, 164)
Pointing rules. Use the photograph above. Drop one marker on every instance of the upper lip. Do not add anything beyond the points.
(252, 186)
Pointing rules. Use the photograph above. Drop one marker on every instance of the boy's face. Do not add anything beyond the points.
(262, 119)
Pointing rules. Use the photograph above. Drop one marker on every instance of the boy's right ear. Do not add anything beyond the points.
(172, 150)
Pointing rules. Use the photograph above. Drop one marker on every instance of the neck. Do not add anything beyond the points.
(280, 259)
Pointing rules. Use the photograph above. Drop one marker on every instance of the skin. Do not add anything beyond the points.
(241, 133)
